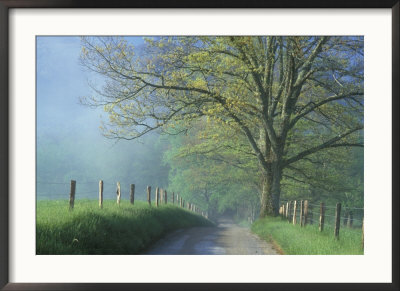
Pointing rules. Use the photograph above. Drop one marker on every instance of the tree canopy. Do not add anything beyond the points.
(288, 98)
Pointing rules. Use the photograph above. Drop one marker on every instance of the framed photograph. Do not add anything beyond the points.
(202, 145)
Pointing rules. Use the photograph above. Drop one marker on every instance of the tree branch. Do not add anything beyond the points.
(329, 143)
(312, 106)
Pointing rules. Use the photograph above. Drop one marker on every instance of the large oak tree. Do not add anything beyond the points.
(291, 97)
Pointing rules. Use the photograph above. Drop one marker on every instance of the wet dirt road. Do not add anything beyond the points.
(226, 238)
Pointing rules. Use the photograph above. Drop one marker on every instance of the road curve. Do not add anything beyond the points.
(226, 238)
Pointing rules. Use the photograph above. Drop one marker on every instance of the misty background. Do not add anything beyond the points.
(69, 143)
(70, 146)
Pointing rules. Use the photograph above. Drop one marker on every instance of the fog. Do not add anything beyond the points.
(70, 145)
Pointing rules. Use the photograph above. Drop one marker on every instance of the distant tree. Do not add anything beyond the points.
(291, 97)
(209, 168)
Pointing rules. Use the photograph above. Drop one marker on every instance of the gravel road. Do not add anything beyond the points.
(226, 238)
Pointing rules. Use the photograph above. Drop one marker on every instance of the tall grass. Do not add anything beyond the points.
(296, 240)
(123, 229)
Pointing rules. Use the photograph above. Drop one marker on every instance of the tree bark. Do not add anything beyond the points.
(271, 191)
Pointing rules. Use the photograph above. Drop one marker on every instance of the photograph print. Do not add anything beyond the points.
(200, 145)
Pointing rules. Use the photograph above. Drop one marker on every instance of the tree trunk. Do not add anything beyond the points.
(271, 175)
(271, 191)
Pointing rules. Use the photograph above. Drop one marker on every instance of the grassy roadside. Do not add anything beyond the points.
(294, 240)
(114, 230)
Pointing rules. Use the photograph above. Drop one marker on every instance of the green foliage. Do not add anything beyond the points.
(208, 169)
(214, 167)
(329, 176)
(296, 240)
(280, 99)
(123, 230)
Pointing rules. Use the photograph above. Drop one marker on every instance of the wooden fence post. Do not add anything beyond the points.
(101, 187)
(290, 212)
(321, 216)
(284, 211)
(118, 193)
(294, 212)
(149, 195)
(301, 213)
(132, 197)
(287, 210)
(337, 220)
(157, 196)
(350, 220)
(165, 197)
(72, 195)
(305, 212)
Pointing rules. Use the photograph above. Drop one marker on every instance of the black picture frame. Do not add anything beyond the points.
(6, 5)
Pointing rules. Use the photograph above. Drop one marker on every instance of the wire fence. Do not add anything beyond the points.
(84, 190)
(348, 215)
(55, 190)
(303, 212)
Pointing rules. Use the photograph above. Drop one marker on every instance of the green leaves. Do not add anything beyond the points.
(286, 98)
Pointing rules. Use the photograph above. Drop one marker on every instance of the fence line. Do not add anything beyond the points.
(161, 195)
(317, 213)
(298, 211)
(292, 209)
(332, 207)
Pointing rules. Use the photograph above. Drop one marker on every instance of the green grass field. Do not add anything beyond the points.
(121, 230)
(296, 240)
